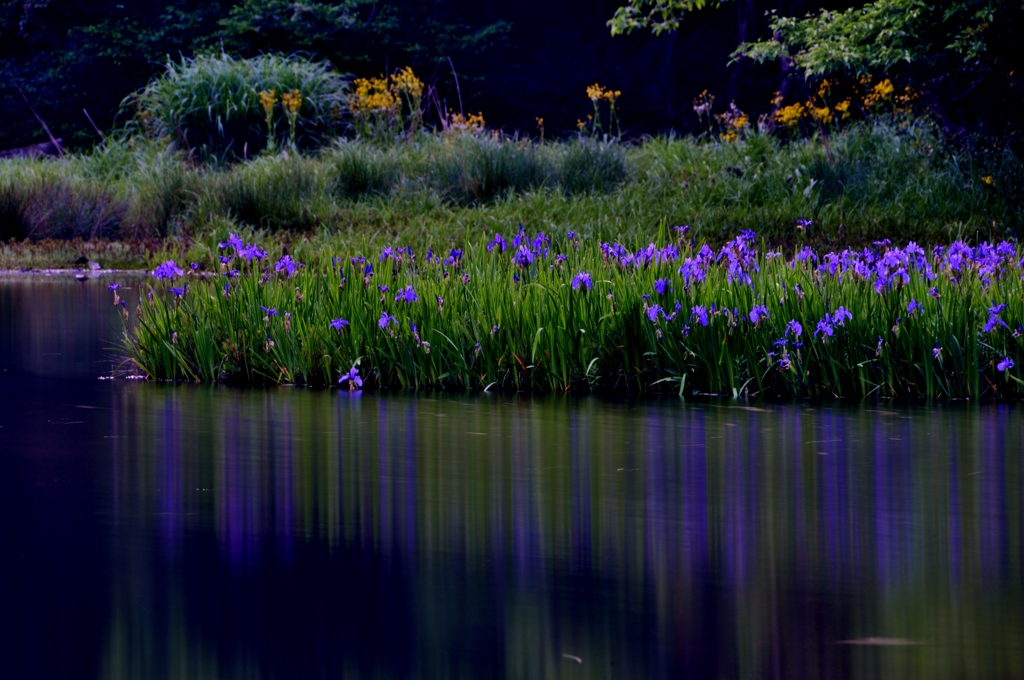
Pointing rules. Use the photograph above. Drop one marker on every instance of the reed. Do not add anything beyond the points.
(537, 313)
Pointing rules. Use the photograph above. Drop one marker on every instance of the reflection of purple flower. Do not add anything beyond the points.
(352, 378)
(701, 313)
(408, 295)
(168, 270)
(582, 280)
(338, 324)
(757, 313)
(1005, 365)
(269, 311)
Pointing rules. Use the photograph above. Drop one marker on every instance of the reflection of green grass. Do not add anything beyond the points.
(696, 520)
(507, 326)
(869, 182)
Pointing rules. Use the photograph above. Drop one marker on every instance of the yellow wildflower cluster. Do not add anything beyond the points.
(789, 116)
(372, 95)
(734, 121)
(472, 123)
(406, 82)
(267, 101)
(881, 92)
(597, 93)
(702, 103)
(822, 114)
(843, 109)
(292, 101)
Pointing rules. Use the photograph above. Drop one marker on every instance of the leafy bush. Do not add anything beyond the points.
(211, 104)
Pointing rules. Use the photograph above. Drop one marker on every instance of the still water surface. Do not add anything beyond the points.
(181, 531)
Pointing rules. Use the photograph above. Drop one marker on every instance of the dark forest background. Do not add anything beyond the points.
(515, 61)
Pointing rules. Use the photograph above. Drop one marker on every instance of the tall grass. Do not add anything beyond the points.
(869, 182)
(680, 317)
(211, 104)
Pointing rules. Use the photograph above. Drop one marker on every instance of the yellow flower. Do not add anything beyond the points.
(823, 115)
(843, 109)
(292, 101)
(268, 100)
(406, 82)
(595, 92)
(824, 88)
(703, 103)
(880, 92)
(788, 116)
(987, 179)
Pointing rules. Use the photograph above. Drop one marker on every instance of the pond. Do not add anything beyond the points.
(154, 530)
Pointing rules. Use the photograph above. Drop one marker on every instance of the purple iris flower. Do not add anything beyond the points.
(1005, 365)
(914, 306)
(252, 252)
(701, 313)
(523, 257)
(825, 328)
(338, 324)
(660, 285)
(841, 316)
(795, 328)
(168, 270)
(499, 242)
(994, 319)
(386, 319)
(269, 311)
(934, 292)
(653, 312)
(179, 292)
(224, 259)
(408, 295)
(352, 377)
(757, 313)
(287, 265)
(382, 287)
(234, 242)
(582, 280)
(113, 286)
(570, 235)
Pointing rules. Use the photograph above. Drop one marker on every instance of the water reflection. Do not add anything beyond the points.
(452, 537)
(161, 531)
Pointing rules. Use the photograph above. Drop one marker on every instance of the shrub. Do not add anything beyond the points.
(281, 192)
(212, 104)
(362, 170)
(472, 169)
(592, 165)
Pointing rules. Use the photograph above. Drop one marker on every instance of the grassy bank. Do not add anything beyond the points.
(870, 181)
(567, 313)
